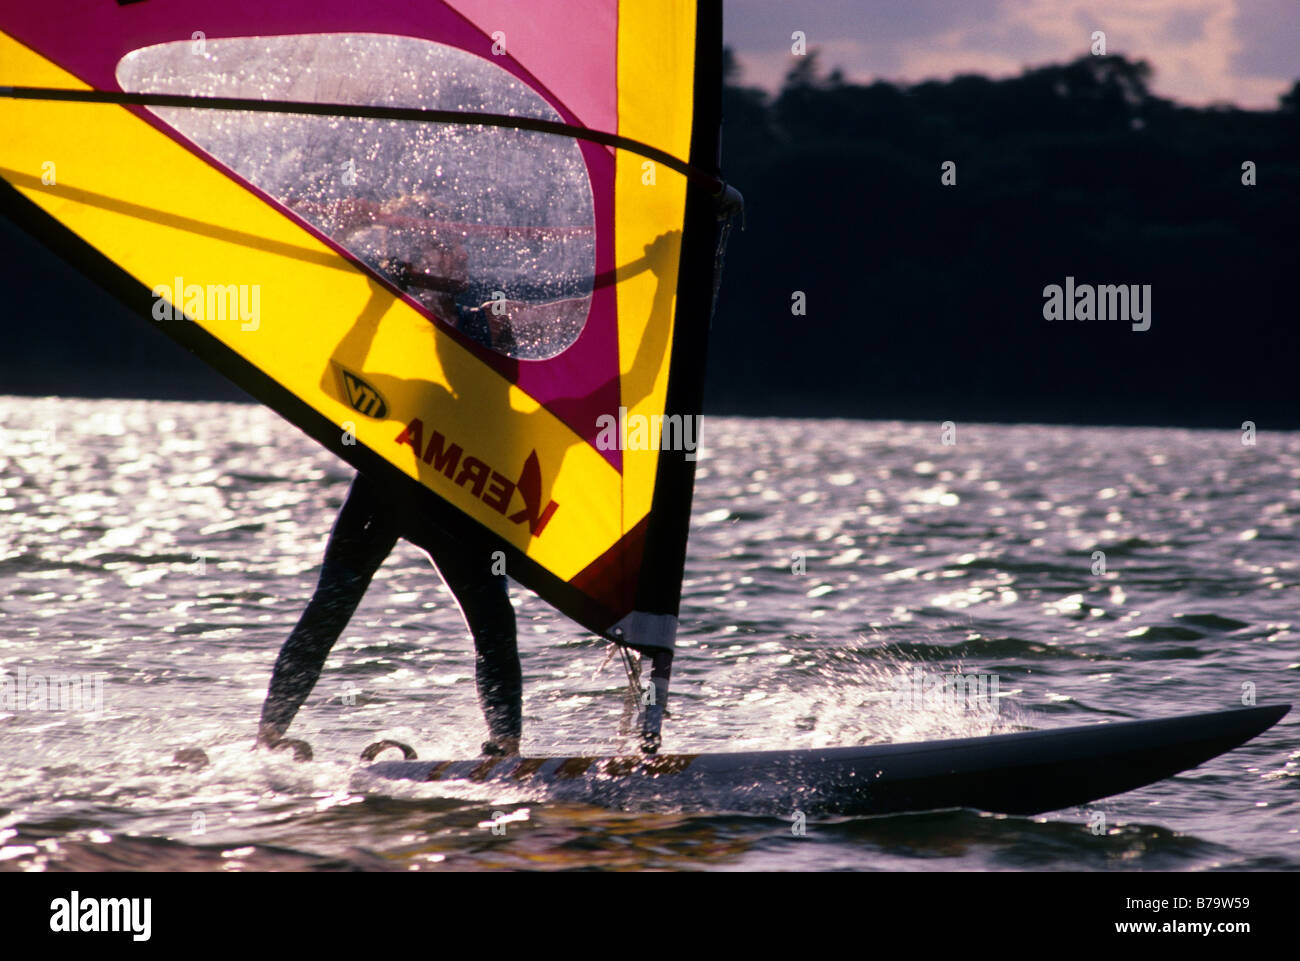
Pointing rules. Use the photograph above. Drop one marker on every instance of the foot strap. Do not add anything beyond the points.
(373, 751)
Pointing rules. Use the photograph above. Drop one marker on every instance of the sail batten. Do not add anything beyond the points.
(370, 112)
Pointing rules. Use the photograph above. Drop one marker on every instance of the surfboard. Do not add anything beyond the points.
(1027, 772)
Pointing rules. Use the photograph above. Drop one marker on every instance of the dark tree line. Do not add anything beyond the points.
(926, 301)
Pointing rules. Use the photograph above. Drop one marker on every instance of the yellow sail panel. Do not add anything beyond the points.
(656, 88)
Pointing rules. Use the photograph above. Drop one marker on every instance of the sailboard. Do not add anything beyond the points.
(1028, 772)
(462, 244)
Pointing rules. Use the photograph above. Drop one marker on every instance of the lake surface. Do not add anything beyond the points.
(166, 549)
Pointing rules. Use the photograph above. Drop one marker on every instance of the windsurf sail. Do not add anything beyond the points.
(467, 245)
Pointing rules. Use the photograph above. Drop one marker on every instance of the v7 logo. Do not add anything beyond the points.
(362, 397)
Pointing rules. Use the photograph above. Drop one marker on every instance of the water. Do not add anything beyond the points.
(168, 549)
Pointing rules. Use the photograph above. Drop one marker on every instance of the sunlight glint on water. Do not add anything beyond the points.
(169, 547)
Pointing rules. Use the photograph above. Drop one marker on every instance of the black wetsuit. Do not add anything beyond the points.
(365, 533)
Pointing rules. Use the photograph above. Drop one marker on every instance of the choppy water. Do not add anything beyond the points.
(169, 547)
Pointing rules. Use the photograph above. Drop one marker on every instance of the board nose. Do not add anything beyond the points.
(1273, 713)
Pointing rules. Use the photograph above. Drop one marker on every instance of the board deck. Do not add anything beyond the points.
(1023, 773)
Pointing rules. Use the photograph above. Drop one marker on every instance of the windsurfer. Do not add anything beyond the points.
(366, 531)
(364, 534)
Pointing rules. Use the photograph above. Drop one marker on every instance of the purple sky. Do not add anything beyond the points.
(1245, 52)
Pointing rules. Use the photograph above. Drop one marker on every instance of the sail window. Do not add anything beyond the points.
(491, 230)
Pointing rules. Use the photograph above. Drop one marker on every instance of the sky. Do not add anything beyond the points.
(1245, 52)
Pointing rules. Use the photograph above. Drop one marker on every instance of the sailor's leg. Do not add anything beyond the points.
(363, 535)
(484, 601)
(661, 669)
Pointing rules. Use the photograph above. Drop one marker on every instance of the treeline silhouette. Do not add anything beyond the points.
(924, 301)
